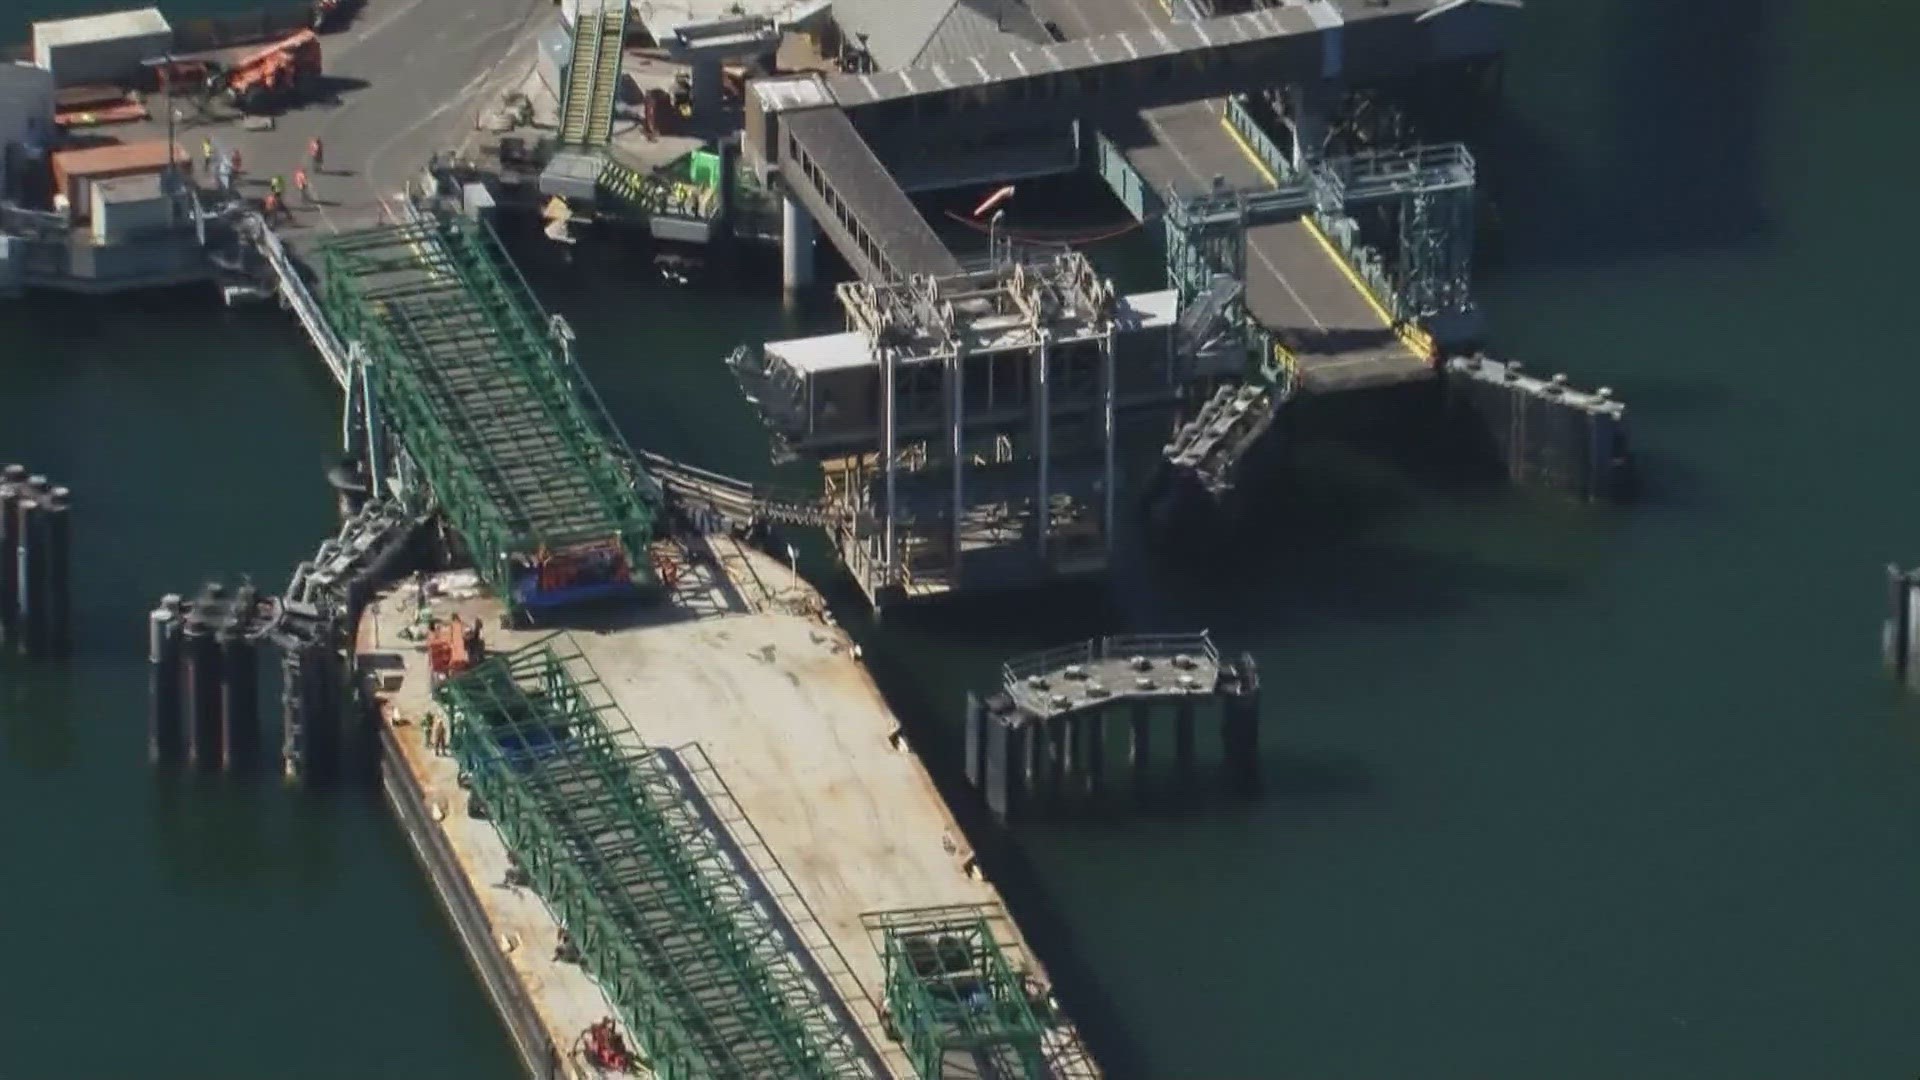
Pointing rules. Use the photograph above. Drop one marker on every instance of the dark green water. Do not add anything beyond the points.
(1552, 792)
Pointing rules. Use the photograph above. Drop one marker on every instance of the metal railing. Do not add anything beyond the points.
(1128, 185)
(1255, 136)
(293, 288)
(1195, 645)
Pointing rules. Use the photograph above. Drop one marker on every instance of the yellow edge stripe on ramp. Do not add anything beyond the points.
(1414, 338)
(1241, 141)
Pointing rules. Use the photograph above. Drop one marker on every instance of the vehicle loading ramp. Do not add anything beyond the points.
(466, 370)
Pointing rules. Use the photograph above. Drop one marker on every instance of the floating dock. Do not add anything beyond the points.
(732, 804)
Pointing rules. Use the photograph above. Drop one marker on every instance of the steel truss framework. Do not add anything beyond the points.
(609, 835)
(1424, 193)
(951, 989)
(481, 389)
(1207, 265)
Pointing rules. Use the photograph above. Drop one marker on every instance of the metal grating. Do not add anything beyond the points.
(478, 386)
(959, 1002)
(617, 844)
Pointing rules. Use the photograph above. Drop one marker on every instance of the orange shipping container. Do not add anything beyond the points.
(75, 170)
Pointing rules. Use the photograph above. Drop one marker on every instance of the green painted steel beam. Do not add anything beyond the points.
(612, 837)
(952, 989)
(511, 438)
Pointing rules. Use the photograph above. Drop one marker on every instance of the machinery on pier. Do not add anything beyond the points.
(273, 76)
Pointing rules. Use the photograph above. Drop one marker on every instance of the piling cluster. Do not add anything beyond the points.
(1901, 630)
(1042, 741)
(205, 657)
(204, 672)
(36, 616)
(1544, 431)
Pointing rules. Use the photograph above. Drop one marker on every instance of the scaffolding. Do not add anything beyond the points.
(616, 842)
(454, 356)
(956, 997)
(1009, 376)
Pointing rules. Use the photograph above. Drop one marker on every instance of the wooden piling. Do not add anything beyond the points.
(57, 588)
(166, 741)
(13, 479)
(200, 686)
(30, 612)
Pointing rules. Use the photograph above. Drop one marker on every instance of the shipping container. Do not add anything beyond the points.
(129, 206)
(26, 105)
(101, 48)
(75, 170)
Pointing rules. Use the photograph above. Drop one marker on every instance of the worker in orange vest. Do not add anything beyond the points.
(315, 154)
(300, 184)
(272, 206)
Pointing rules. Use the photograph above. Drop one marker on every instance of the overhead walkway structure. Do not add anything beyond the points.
(831, 170)
(456, 359)
(1124, 58)
(619, 845)
(1299, 284)
(593, 77)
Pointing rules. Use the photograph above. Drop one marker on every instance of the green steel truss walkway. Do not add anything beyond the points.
(618, 846)
(593, 79)
(483, 394)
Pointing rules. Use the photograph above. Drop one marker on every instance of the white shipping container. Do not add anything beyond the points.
(101, 48)
(129, 204)
(26, 105)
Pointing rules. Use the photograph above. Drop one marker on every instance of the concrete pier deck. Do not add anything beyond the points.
(742, 677)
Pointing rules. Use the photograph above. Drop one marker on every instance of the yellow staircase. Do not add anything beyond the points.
(593, 80)
(606, 73)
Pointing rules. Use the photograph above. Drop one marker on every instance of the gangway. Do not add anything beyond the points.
(292, 288)
(734, 501)
(593, 80)
(481, 389)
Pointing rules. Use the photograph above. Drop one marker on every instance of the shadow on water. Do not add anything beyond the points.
(1320, 545)
(1676, 161)
(920, 704)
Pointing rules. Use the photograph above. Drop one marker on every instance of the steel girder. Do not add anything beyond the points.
(484, 395)
(951, 989)
(610, 835)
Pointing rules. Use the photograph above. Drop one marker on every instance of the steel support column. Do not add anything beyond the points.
(1043, 424)
(889, 436)
(956, 447)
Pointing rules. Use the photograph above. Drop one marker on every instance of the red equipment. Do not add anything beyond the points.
(606, 1049)
(275, 75)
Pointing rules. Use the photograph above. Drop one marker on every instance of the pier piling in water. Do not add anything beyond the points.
(30, 559)
(1041, 738)
(13, 480)
(35, 560)
(57, 589)
(166, 741)
(239, 691)
(200, 684)
(1543, 431)
(1900, 631)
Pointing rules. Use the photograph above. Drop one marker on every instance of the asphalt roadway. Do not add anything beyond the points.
(1295, 287)
(408, 79)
